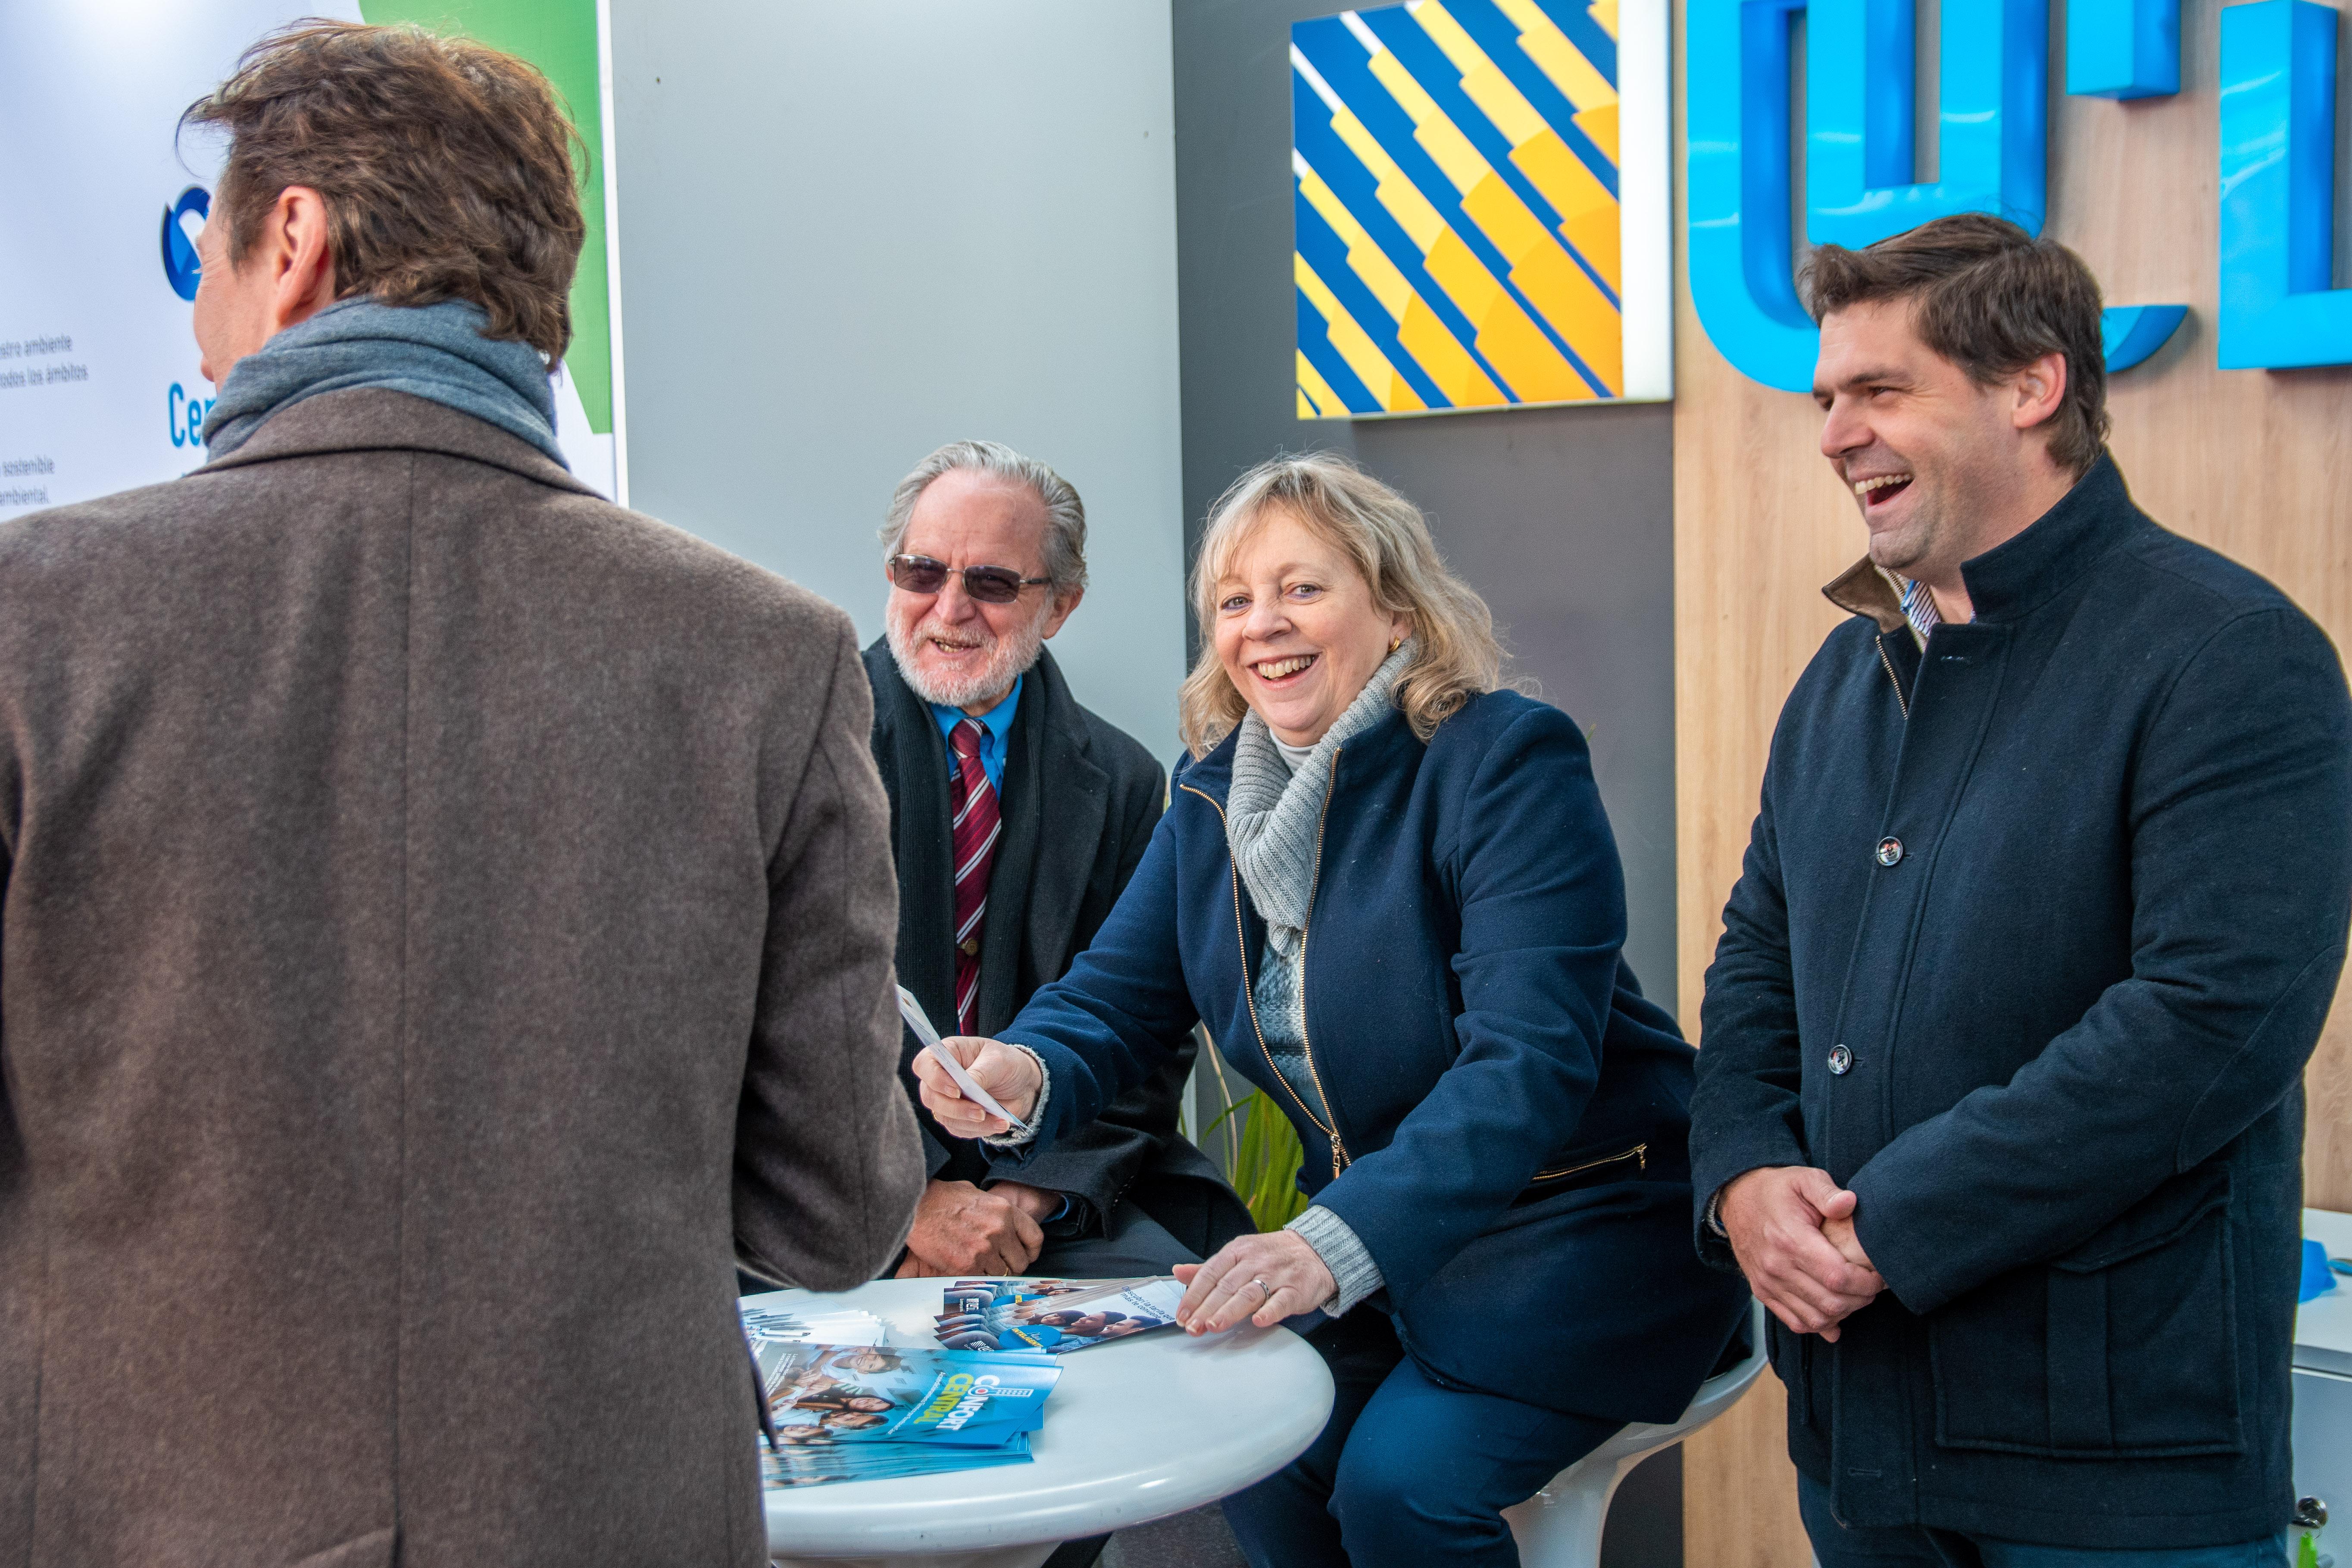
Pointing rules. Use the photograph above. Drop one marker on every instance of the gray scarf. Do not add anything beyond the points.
(435, 352)
(1272, 814)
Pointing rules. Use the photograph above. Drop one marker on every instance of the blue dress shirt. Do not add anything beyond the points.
(995, 733)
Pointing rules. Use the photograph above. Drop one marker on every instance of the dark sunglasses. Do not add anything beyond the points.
(989, 585)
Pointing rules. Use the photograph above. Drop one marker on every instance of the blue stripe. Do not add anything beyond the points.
(1357, 189)
(1343, 64)
(1427, 64)
(1499, 37)
(1317, 346)
(1574, 18)
(1327, 253)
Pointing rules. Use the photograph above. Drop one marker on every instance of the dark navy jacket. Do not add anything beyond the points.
(1509, 1112)
(2066, 897)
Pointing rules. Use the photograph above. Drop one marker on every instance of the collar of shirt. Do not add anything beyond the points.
(995, 733)
(1919, 609)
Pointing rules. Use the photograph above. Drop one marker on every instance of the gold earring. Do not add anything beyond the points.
(1395, 643)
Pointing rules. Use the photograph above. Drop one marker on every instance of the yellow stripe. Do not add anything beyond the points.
(1588, 212)
(1601, 124)
(1482, 79)
(1541, 269)
(1441, 354)
(1354, 345)
(1365, 257)
(1315, 398)
(1512, 342)
(1557, 288)
(1563, 179)
(1557, 59)
(1397, 192)
(1604, 12)
(1438, 351)
(1438, 136)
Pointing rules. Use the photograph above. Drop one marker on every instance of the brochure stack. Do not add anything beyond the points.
(846, 1406)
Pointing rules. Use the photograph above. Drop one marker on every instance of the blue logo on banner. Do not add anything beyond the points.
(180, 265)
(2278, 190)
(1992, 135)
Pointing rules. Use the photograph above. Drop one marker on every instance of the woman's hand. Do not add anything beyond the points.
(1010, 1074)
(1264, 1278)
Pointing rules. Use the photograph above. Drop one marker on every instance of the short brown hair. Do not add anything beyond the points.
(445, 168)
(1991, 299)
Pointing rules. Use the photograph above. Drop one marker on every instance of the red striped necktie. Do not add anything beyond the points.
(977, 821)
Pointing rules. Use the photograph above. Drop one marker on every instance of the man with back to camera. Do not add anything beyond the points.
(1018, 815)
(446, 917)
(2001, 1107)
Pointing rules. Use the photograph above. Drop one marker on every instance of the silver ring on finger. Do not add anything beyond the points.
(1265, 1293)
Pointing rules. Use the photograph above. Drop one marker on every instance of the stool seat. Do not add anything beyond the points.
(1560, 1526)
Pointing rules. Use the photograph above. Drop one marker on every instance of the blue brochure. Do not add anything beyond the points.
(1052, 1316)
(823, 1395)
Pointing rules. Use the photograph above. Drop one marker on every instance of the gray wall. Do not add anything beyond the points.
(850, 233)
(1563, 518)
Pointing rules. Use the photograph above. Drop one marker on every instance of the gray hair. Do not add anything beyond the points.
(1066, 531)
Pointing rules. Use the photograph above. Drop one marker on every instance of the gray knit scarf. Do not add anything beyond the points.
(433, 352)
(1272, 814)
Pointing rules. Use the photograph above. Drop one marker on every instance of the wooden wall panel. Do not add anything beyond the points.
(2258, 465)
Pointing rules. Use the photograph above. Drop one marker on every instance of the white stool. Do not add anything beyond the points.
(1560, 1527)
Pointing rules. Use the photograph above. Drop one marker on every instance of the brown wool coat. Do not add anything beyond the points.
(444, 920)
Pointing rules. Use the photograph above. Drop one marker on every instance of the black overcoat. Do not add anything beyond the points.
(1079, 800)
(2035, 935)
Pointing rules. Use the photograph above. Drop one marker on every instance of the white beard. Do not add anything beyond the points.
(1005, 661)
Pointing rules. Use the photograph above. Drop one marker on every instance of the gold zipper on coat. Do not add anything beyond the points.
(1888, 665)
(1340, 1159)
(1639, 1153)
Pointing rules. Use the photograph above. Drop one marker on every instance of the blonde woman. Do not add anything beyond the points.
(1389, 888)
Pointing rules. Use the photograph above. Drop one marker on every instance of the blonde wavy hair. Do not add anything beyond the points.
(1457, 655)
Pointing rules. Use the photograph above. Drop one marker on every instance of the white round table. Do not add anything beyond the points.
(1134, 1431)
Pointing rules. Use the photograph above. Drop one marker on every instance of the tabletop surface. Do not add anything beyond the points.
(2323, 1325)
(1134, 1431)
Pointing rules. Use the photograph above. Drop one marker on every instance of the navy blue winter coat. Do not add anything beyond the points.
(2034, 936)
(1510, 1113)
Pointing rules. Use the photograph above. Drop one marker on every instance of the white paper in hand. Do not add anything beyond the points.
(912, 1011)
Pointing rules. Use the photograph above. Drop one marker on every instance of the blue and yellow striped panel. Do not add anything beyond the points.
(1456, 165)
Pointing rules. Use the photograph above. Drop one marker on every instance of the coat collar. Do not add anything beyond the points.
(1050, 776)
(2013, 580)
(897, 707)
(1074, 796)
(1866, 589)
(371, 419)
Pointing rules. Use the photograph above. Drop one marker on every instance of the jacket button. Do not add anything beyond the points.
(1840, 1060)
(1890, 850)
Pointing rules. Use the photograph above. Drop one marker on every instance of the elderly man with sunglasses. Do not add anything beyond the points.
(1018, 816)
